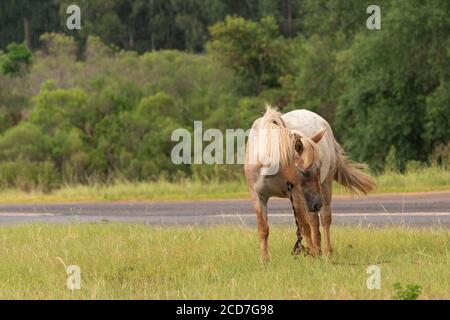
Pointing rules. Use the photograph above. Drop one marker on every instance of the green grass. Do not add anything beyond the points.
(429, 179)
(132, 191)
(140, 262)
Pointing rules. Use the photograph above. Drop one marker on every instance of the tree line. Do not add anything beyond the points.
(101, 103)
(139, 25)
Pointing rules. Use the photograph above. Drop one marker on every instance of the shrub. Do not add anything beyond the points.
(25, 141)
(391, 163)
(410, 292)
(16, 61)
(414, 166)
(441, 156)
(28, 175)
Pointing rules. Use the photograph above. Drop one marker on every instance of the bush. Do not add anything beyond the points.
(255, 51)
(414, 166)
(437, 117)
(441, 156)
(29, 175)
(410, 292)
(25, 141)
(391, 163)
(16, 61)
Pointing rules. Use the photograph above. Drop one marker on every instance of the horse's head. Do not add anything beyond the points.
(304, 169)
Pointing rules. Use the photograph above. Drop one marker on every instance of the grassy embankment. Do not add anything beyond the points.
(430, 179)
(137, 261)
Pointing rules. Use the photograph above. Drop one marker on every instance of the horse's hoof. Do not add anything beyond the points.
(265, 261)
(314, 252)
(298, 249)
(265, 258)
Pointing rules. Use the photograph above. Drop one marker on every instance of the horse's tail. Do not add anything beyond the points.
(352, 175)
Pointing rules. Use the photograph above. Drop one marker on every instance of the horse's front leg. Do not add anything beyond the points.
(314, 224)
(300, 212)
(309, 223)
(325, 220)
(298, 247)
(263, 227)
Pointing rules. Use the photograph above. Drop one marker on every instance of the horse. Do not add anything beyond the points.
(296, 156)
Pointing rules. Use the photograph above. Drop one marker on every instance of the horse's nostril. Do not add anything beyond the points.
(317, 207)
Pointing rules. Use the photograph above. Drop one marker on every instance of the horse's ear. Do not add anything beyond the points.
(316, 138)
(298, 146)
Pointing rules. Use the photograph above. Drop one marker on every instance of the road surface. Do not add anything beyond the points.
(418, 210)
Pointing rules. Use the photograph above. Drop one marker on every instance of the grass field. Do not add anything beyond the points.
(430, 179)
(136, 261)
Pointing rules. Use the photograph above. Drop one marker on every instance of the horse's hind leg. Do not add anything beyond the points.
(263, 226)
(325, 214)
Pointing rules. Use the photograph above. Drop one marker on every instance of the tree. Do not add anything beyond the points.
(14, 91)
(25, 141)
(16, 61)
(23, 21)
(391, 75)
(437, 117)
(255, 51)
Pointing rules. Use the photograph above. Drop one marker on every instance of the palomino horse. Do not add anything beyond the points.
(296, 156)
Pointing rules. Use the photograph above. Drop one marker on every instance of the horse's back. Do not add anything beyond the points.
(309, 123)
(305, 121)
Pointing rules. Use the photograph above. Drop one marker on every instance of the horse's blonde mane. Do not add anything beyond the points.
(276, 145)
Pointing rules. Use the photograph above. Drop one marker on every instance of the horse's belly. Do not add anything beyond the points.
(271, 186)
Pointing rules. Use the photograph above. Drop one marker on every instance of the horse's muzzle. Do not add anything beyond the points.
(314, 203)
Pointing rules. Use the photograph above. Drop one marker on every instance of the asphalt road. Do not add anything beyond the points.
(418, 210)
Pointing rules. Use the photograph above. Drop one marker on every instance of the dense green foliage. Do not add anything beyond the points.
(139, 25)
(16, 60)
(101, 102)
(396, 83)
(255, 51)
